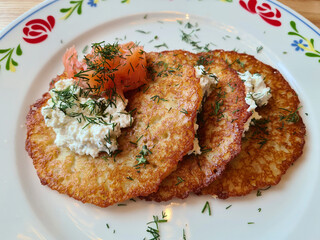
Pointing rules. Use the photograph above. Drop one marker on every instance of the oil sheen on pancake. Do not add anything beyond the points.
(270, 146)
(164, 124)
(221, 125)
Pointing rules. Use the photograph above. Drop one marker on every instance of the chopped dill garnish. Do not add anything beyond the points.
(180, 22)
(162, 45)
(154, 231)
(205, 150)
(293, 116)
(263, 142)
(188, 25)
(259, 49)
(180, 180)
(259, 192)
(85, 49)
(139, 138)
(207, 206)
(204, 60)
(184, 111)
(142, 154)
(232, 88)
(141, 31)
(115, 153)
(157, 98)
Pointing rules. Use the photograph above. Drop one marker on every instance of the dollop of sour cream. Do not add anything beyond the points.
(83, 124)
(257, 95)
(207, 80)
(207, 83)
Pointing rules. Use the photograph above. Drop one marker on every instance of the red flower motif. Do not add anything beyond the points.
(36, 30)
(264, 10)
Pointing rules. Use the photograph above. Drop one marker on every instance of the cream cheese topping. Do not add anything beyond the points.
(207, 82)
(85, 125)
(257, 95)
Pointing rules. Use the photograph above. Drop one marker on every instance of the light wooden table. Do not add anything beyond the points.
(11, 9)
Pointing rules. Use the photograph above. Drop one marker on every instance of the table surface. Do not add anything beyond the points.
(12, 9)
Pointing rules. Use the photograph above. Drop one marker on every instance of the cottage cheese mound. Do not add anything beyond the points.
(257, 95)
(207, 82)
(83, 124)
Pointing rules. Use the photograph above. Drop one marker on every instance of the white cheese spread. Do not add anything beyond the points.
(207, 82)
(257, 94)
(196, 147)
(85, 125)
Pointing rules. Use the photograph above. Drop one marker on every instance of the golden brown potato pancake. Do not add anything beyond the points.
(221, 125)
(165, 124)
(272, 145)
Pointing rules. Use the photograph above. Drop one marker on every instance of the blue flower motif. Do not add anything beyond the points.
(297, 45)
(93, 3)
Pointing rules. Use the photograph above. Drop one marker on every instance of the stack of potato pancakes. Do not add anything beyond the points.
(231, 163)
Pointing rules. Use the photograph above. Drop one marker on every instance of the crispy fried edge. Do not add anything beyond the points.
(191, 165)
(219, 191)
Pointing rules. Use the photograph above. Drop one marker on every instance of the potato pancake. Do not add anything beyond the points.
(270, 146)
(221, 124)
(164, 112)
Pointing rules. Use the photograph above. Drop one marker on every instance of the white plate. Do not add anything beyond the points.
(29, 210)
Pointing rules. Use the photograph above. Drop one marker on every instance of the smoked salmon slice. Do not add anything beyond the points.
(108, 67)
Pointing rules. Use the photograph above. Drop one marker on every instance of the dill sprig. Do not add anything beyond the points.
(259, 192)
(96, 109)
(154, 231)
(217, 107)
(157, 98)
(259, 49)
(292, 116)
(191, 37)
(141, 158)
(206, 206)
(204, 60)
(180, 180)
(99, 66)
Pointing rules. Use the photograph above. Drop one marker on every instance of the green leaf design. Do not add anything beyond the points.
(8, 63)
(19, 51)
(77, 5)
(293, 33)
(296, 34)
(309, 54)
(14, 62)
(79, 11)
(310, 50)
(4, 50)
(7, 57)
(312, 42)
(64, 10)
(294, 26)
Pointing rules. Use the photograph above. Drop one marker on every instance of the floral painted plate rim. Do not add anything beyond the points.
(273, 33)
